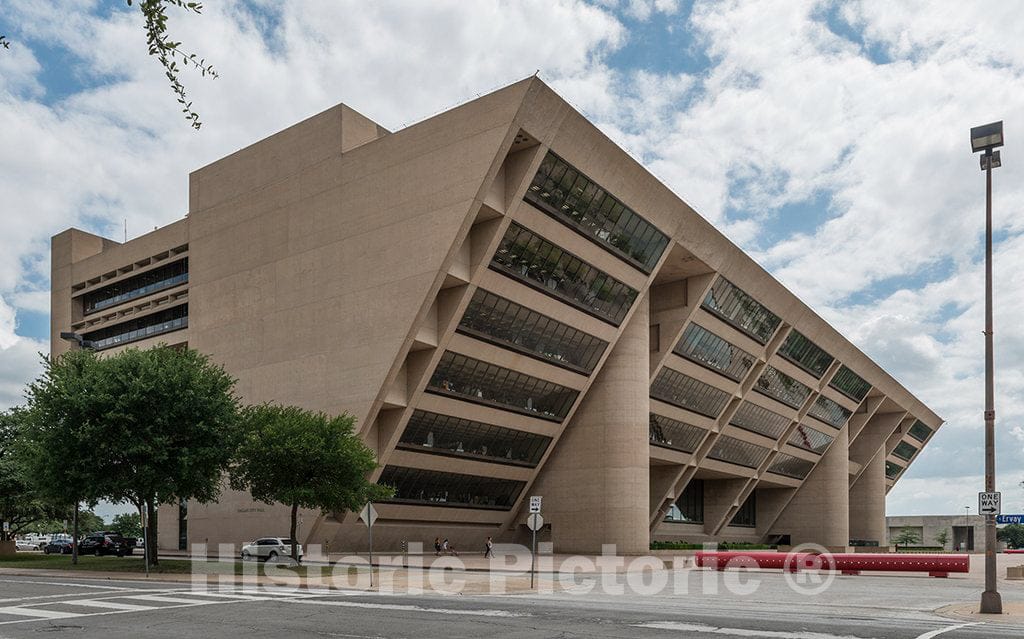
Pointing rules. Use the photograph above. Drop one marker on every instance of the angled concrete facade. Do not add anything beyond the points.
(510, 305)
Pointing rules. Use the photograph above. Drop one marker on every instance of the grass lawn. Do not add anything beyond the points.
(133, 564)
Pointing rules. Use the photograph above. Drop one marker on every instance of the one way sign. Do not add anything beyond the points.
(989, 503)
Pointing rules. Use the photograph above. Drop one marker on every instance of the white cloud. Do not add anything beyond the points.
(787, 111)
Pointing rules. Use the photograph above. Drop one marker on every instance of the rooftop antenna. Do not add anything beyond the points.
(126, 230)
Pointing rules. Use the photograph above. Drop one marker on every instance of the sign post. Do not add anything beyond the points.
(535, 523)
(369, 515)
(145, 537)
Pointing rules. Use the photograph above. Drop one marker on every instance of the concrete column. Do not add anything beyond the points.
(867, 502)
(820, 511)
(596, 483)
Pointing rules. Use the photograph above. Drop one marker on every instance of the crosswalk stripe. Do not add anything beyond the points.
(37, 612)
(175, 600)
(110, 605)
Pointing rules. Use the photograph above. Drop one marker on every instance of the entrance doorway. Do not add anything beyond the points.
(963, 538)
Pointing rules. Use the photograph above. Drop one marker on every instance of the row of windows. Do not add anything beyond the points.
(760, 420)
(707, 349)
(674, 434)
(806, 354)
(496, 318)
(919, 431)
(904, 450)
(892, 470)
(485, 383)
(689, 508)
(737, 451)
(810, 439)
(445, 435)
(850, 384)
(572, 198)
(431, 487)
(533, 259)
(778, 385)
(790, 466)
(686, 392)
(134, 330)
(829, 411)
(746, 516)
(730, 303)
(132, 288)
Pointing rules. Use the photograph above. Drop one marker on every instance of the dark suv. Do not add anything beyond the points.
(106, 543)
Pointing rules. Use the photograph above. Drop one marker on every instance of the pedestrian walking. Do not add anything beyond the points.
(488, 549)
(437, 546)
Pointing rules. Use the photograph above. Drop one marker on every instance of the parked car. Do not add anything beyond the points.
(58, 547)
(38, 540)
(23, 545)
(106, 543)
(269, 549)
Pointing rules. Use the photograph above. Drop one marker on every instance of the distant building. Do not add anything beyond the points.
(511, 306)
(966, 532)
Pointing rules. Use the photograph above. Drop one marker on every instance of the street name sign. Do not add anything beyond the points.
(1010, 519)
(989, 503)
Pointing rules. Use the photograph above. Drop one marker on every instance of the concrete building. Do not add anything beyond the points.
(965, 532)
(511, 306)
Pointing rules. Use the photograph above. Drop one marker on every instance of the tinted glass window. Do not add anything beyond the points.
(132, 288)
(810, 439)
(790, 466)
(484, 383)
(829, 412)
(534, 260)
(670, 433)
(440, 434)
(508, 324)
(919, 431)
(689, 508)
(778, 385)
(686, 392)
(850, 384)
(429, 487)
(904, 450)
(707, 349)
(561, 191)
(172, 319)
(730, 303)
(760, 420)
(737, 451)
(805, 354)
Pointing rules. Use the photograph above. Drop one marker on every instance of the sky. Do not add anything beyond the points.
(830, 140)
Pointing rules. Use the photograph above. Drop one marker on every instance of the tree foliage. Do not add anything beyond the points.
(907, 537)
(166, 50)
(167, 430)
(128, 524)
(19, 505)
(1013, 535)
(304, 459)
(63, 421)
(169, 52)
(942, 537)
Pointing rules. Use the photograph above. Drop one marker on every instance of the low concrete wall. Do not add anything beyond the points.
(1015, 572)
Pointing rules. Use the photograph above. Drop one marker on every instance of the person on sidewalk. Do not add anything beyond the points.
(488, 549)
(437, 546)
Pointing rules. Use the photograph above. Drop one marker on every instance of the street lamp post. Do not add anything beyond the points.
(986, 138)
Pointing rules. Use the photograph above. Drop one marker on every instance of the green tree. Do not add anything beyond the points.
(88, 522)
(304, 459)
(1013, 535)
(58, 438)
(20, 506)
(166, 50)
(167, 430)
(907, 537)
(128, 524)
(942, 537)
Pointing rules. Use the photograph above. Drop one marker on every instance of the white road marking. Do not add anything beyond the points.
(109, 605)
(406, 608)
(174, 600)
(62, 583)
(936, 633)
(38, 613)
(741, 632)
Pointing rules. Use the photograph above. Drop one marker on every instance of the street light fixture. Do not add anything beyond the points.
(986, 138)
(78, 339)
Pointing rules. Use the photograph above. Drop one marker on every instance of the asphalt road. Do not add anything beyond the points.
(871, 608)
